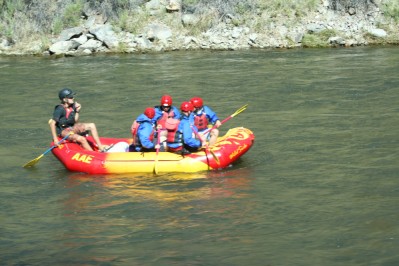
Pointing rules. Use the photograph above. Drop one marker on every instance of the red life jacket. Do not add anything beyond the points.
(201, 122)
(165, 116)
(171, 126)
(68, 119)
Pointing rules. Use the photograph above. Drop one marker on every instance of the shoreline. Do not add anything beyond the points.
(318, 29)
(45, 55)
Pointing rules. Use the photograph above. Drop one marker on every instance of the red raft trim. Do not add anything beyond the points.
(229, 148)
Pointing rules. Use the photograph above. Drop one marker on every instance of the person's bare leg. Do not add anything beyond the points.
(82, 141)
(213, 136)
(85, 144)
(92, 128)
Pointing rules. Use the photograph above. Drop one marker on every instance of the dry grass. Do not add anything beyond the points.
(20, 19)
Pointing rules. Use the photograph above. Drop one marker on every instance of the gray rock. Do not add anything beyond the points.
(67, 34)
(143, 43)
(189, 19)
(95, 19)
(336, 40)
(253, 37)
(351, 11)
(296, 37)
(154, 7)
(63, 47)
(158, 32)
(90, 22)
(106, 34)
(378, 33)
(315, 28)
(35, 47)
(81, 40)
(87, 52)
(91, 45)
(5, 44)
(236, 32)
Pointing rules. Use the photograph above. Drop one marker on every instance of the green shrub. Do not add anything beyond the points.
(12, 6)
(319, 39)
(344, 5)
(289, 7)
(206, 21)
(311, 40)
(57, 26)
(72, 14)
(391, 9)
(133, 22)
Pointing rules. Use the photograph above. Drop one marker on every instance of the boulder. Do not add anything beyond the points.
(91, 45)
(378, 33)
(158, 32)
(63, 47)
(95, 19)
(5, 44)
(189, 19)
(70, 33)
(106, 34)
(143, 43)
(315, 28)
(81, 39)
(336, 40)
(154, 7)
(295, 37)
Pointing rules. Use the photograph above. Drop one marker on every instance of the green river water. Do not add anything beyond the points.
(320, 186)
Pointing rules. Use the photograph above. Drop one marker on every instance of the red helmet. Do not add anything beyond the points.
(197, 102)
(149, 112)
(166, 100)
(186, 106)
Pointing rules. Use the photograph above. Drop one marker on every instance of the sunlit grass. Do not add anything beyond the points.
(23, 18)
(319, 39)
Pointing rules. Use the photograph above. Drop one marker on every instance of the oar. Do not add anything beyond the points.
(34, 161)
(241, 109)
(156, 156)
(206, 146)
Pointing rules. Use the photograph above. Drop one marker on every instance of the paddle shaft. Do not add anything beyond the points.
(34, 161)
(241, 109)
(59, 142)
(157, 149)
(206, 145)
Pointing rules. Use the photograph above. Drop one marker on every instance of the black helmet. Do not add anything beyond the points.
(64, 93)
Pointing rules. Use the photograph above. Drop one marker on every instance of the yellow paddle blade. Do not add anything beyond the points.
(241, 109)
(33, 162)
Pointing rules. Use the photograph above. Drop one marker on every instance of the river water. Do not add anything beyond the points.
(320, 185)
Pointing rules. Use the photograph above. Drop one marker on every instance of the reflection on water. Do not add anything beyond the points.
(125, 209)
(319, 186)
(176, 187)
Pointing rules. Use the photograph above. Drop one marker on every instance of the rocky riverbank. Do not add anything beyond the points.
(321, 28)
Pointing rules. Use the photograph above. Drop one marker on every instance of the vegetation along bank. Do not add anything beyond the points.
(83, 27)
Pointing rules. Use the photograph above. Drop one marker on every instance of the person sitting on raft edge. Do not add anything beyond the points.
(65, 121)
(204, 115)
